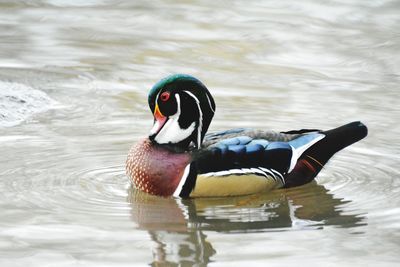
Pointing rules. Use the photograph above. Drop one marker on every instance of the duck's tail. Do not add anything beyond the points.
(314, 158)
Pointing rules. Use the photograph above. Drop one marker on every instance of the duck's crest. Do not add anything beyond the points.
(173, 78)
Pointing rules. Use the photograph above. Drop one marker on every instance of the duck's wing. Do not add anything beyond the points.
(248, 163)
(271, 136)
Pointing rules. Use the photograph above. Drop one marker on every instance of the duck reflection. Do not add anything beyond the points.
(176, 226)
(167, 221)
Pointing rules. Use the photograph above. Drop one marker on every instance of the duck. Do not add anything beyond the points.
(180, 159)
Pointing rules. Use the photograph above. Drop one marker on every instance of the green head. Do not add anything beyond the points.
(183, 109)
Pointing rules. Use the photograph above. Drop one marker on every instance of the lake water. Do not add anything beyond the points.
(74, 77)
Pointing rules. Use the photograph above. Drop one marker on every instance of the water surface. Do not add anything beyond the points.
(74, 78)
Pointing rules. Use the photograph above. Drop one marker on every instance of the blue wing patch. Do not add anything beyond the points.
(237, 149)
(278, 145)
(243, 152)
(304, 140)
(254, 148)
(240, 140)
(261, 142)
(243, 155)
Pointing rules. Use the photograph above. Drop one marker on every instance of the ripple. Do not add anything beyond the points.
(95, 191)
(360, 175)
(367, 179)
(92, 191)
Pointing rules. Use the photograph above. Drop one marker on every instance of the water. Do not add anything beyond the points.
(74, 78)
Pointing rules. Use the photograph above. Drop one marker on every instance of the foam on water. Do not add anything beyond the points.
(19, 102)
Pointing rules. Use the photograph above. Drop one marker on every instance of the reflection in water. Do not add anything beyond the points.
(167, 221)
(176, 226)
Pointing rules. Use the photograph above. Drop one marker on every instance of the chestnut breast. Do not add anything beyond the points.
(155, 169)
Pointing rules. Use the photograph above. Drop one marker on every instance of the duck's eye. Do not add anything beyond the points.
(165, 96)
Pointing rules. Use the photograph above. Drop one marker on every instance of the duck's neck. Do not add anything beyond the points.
(181, 147)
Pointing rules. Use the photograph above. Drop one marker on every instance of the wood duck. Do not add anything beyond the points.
(180, 159)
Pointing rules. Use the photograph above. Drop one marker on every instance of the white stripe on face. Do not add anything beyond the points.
(200, 126)
(209, 103)
(172, 132)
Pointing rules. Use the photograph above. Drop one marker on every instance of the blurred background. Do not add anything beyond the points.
(74, 78)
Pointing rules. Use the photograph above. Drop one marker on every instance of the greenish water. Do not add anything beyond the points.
(74, 78)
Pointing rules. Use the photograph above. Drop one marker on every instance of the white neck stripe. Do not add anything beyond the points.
(184, 177)
(200, 126)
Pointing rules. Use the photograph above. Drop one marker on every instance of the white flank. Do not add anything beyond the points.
(182, 181)
(200, 128)
(279, 176)
(265, 172)
(268, 172)
(172, 132)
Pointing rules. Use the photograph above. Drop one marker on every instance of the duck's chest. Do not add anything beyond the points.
(155, 169)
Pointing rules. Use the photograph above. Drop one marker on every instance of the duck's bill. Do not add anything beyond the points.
(159, 122)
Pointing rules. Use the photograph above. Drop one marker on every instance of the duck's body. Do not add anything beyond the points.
(179, 159)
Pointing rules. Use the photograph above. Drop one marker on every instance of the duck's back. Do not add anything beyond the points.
(242, 161)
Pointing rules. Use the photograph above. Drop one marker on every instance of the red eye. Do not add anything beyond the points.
(164, 96)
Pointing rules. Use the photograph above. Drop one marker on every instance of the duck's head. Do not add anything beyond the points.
(183, 109)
